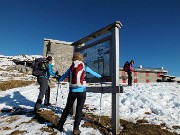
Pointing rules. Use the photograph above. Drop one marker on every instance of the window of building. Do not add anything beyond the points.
(136, 80)
(147, 81)
(123, 80)
(123, 73)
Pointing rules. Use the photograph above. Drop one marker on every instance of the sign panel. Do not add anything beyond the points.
(97, 57)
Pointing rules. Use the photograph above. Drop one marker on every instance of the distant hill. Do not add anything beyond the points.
(8, 60)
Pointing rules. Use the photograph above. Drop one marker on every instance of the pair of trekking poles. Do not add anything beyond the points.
(59, 87)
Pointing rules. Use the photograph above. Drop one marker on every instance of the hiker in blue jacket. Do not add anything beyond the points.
(44, 87)
(77, 90)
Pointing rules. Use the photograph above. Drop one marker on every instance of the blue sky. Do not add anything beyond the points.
(150, 34)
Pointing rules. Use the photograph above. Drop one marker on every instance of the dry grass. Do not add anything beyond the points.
(11, 119)
(24, 122)
(5, 128)
(141, 127)
(48, 115)
(5, 85)
(49, 130)
(17, 132)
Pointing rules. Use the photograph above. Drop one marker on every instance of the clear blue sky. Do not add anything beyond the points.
(150, 34)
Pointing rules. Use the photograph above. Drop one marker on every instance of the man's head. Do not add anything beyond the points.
(49, 58)
(132, 62)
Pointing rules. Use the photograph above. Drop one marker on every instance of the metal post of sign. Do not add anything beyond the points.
(115, 81)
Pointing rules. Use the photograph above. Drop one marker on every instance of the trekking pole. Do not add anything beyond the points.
(57, 91)
(59, 86)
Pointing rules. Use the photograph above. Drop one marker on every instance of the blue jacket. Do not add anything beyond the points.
(50, 72)
(82, 88)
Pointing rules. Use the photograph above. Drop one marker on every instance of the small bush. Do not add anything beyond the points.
(5, 85)
(17, 132)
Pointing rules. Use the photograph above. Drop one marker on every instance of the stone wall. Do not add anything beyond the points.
(143, 77)
(61, 51)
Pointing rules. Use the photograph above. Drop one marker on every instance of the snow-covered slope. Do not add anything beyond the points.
(158, 103)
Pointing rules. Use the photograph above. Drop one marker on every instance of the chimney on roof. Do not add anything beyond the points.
(140, 66)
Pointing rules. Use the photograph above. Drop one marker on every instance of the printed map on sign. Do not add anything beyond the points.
(97, 58)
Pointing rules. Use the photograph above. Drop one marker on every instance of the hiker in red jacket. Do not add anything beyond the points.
(77, 90)
(129, 72)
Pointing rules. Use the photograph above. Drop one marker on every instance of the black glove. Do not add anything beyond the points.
(57, 73)
(58, 77)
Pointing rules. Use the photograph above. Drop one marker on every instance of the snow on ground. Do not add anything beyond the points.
(25, 97)
(156, 102)
(5, 61)
(26, 57)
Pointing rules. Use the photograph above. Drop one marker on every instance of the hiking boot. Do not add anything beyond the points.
(48, 104)
(60, 127)
(76, 132)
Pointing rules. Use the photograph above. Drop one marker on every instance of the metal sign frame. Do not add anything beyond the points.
(113, 29)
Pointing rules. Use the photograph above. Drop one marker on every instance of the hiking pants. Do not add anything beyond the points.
(44, 90)
(129, 78)
(81, 97)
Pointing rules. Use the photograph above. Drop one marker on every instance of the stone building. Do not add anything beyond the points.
(62, 52)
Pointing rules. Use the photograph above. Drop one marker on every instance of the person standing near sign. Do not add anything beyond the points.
(77, 90)
(129, 72)
(44, 87)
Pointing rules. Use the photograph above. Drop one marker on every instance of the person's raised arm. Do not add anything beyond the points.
(87, 69)
(64, 75)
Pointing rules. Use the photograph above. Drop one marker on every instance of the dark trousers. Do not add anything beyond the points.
(81, 97)
(129, 78)
(44, 90)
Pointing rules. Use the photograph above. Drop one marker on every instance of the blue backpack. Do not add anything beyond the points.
(39, 67)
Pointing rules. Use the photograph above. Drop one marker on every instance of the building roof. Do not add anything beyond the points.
(57, 41)
(148, 69)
